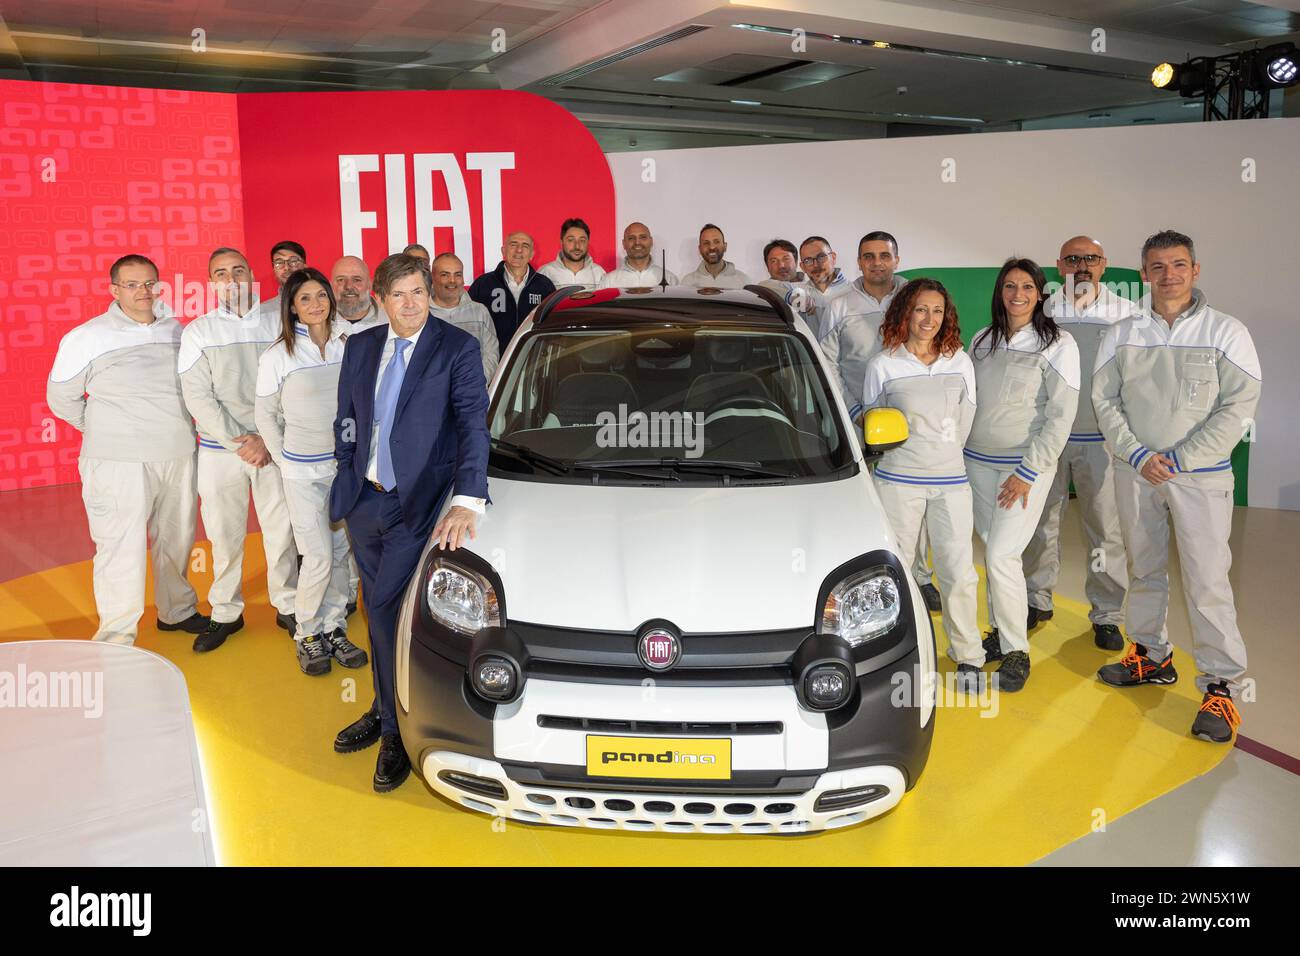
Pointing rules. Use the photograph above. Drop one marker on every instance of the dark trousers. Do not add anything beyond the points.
(387, 554)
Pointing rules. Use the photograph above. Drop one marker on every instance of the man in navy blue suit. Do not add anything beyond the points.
(411, 428)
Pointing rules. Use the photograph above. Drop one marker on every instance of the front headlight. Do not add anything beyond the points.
(461, 599)
(861, 607)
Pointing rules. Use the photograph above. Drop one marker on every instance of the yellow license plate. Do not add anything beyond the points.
(676, 758)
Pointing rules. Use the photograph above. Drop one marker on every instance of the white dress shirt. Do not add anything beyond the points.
(372, 466)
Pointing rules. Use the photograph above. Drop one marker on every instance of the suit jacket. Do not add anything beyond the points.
(440, 435)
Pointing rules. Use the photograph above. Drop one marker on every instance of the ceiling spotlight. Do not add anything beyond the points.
(1163, 75)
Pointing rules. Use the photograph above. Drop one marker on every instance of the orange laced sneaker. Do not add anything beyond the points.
(1136, 668)
(1218, 716)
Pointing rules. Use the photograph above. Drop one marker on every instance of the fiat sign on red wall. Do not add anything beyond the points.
(90, 173)
(364, 174)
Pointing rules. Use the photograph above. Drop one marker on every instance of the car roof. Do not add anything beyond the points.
(573, 307)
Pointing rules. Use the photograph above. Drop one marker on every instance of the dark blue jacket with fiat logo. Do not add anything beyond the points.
(490, 291)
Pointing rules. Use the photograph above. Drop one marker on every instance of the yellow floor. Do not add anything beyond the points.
(1059, 759)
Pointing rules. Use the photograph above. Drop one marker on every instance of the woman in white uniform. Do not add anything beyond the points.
(297, 397)
(923, 372)
(1027, 378)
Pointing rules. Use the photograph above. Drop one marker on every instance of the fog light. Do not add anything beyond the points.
(827, 686)
(494, 678)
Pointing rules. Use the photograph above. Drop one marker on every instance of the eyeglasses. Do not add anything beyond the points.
(809, 261)
(133, 286)
(294, 263)
(1092, 259)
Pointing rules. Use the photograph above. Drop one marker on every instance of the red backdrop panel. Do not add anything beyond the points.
(87, 174)
(367, 173)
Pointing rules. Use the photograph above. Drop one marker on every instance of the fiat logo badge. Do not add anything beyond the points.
(659, 649)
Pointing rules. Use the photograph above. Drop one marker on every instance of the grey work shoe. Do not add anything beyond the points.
(344, 651)
(313, 655)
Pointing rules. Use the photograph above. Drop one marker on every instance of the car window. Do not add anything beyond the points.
(667, 396)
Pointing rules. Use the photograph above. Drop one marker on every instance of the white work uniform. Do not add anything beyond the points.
(1028, 395)
(626, 276)
(849, 335)
(852, 336)
(924, 479)
(115, 381)
(473, 318)
(729, 278)
(1190, 392)
(589, 276)
(297, 400)
(217, 363)
(1087, 463)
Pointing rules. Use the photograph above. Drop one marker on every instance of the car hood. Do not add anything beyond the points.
(707, 559)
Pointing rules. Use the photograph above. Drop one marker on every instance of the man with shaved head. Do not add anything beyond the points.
(356, 306)
(513, 289)
(639, 269)
(1086, 309)
(217, 364)
(452, 304)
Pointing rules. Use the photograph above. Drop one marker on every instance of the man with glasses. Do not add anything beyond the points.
(513, 289)
(114, 380)
(1086, 309)
(639, 269)
(825, 283)
(287, 257)
(714, 271)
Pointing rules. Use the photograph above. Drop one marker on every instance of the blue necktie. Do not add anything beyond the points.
(386, 408)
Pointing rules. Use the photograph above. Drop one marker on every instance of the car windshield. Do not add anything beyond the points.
(666, 403)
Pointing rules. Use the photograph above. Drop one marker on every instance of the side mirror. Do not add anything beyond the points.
(883, 429)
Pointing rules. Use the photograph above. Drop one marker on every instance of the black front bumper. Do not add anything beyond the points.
(880, 725)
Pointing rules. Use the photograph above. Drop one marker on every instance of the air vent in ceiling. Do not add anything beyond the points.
(560, 79)
(762, 73)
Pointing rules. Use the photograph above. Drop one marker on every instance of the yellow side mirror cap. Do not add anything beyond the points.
(883, 429)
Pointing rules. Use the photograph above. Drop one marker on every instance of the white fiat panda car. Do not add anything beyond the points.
(683, 610)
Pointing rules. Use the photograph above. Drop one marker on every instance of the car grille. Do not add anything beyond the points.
(684, 728)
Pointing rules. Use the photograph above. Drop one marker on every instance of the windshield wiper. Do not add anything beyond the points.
(532, 457)
(702, 464)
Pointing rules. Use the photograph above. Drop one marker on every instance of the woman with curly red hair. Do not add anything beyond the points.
(923, 371)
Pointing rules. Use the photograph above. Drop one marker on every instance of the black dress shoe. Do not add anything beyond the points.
(196, 623)
(1037, 616)
(393, 766)
(933, 602)
(217, 633)
(359, 734)
(288, 622)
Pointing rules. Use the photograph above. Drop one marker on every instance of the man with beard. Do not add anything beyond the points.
(825, 283)
(513, 289)
(572, 265)
(639, 270)
(1086, 309)
(217, 364)
(714, 270)
(452, 304)
(350, 278)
